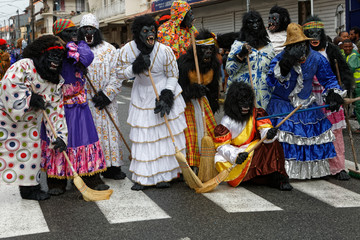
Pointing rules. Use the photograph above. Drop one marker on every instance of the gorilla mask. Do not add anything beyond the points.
(279, 19)
(314, 28)
(148, 35)
(274, 22)
(253, 30)
(90, 35)
(69, 34)
(239, 102)
(51, 61)
(188, 20)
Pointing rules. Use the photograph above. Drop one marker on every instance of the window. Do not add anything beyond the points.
(80, 5)
(304, 10)
(340, 19)
(59, 5)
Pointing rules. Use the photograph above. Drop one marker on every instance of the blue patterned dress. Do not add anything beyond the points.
(306, 137)
(259, 63)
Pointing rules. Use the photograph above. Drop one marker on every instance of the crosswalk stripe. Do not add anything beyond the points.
(126, 205)
(329, 193)
(17, 216)
(239, 200)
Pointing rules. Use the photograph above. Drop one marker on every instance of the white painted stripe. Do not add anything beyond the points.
(17, 216)
(126, 205)
(351, 164)
(329, 193)
(239, 200)
(119, 102)
(126, 98)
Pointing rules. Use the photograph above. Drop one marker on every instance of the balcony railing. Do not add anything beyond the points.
(111, 10)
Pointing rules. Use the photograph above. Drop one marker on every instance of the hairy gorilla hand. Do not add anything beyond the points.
(37, 101)
(241, 157)
(334, 100)
(141, 63)
(101, 100)
(271, 133)
(293, 53)
(245, 50)
(197, 90)
(59, 144)
(165, 102)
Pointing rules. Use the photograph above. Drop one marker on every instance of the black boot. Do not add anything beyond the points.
(114, 173)
(195, 170)
(163, 185)
(33, 193)
(95, 182)
(56, 186)
(138, 187)
(342, 176)
(280, 181)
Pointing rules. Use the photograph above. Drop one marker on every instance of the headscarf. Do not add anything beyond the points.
(62, 24)
(171, 34)
(89, 20)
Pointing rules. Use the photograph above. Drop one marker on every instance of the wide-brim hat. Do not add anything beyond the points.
(295, 34)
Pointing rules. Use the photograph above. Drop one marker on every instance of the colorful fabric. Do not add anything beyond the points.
(314, 24)
(233, 138)
(306, 137)
(20, 150)
(73, 51)
(171, 34)
(259, 63)
(103, 74)
(207, 42)
(191, 132)
(152, 150)
(62, 24)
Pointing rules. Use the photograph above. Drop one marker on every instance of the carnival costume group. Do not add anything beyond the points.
(75, 77)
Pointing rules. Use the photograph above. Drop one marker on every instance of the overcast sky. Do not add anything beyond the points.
(8, 8)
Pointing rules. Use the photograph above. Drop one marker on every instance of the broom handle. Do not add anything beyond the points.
(165, 117)
(199, 80)
(109, 114)
(278, 125)
(250, 74)
(347, 120)
(55, 135)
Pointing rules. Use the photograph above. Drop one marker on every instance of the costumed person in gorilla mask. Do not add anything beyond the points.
(153, 154)
(84, 149)
(238, 132)
(253, 42)
(175, 33)
(193, 93)
(279, 19)
(103, 75)
(20, 108)
(306, 137)
(314, 28)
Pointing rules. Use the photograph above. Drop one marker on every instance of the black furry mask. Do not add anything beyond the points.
(320, 38)
(253, 30)
(49, 65)
(239, 102)
(138, 26)
(92, 36)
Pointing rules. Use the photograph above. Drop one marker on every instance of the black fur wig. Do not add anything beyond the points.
(240, 95)
(256, 39)
(98, 37)
(284, 17)
(227, 39)
(186, 64)
(139, 22)
(35, 51)
(333, 52)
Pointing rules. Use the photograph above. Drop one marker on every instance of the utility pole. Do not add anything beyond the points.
(32, 20)
(17, 11)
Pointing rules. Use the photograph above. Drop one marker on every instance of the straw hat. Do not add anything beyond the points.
(295, 34)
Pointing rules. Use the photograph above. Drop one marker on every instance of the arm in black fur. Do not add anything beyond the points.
(165, 102)
(213, 93)
(334, 100)
(184, 63)
(101, 100)
(141, 64)
(37, 101)
(347, 78)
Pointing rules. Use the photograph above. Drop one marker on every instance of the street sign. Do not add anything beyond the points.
(159, 5)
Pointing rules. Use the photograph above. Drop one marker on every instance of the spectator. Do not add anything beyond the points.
(4, 58)
(355, 36)
(17, 52)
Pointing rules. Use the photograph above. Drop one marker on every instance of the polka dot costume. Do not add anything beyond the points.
(20, 151)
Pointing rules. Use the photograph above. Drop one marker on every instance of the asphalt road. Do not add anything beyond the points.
(315, 209)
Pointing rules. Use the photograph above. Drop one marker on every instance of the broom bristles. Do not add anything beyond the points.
(207, 169)
(90, 194)
(353, 173)
(189, 176)
(214, 182)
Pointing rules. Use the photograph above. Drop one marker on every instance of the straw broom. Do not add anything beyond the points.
(207, 168)
(110, 116)
(190, 177)
(353, 173)
(87, 193)
(213, 183)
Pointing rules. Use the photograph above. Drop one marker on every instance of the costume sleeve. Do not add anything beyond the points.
(223, 145)
(86, 55)
(171, 70)
(113, 86)
(124, 70)
(233, 66)
(264, 125)
(56, 113)
(274, 76)
(14, 94)
(327, 78)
